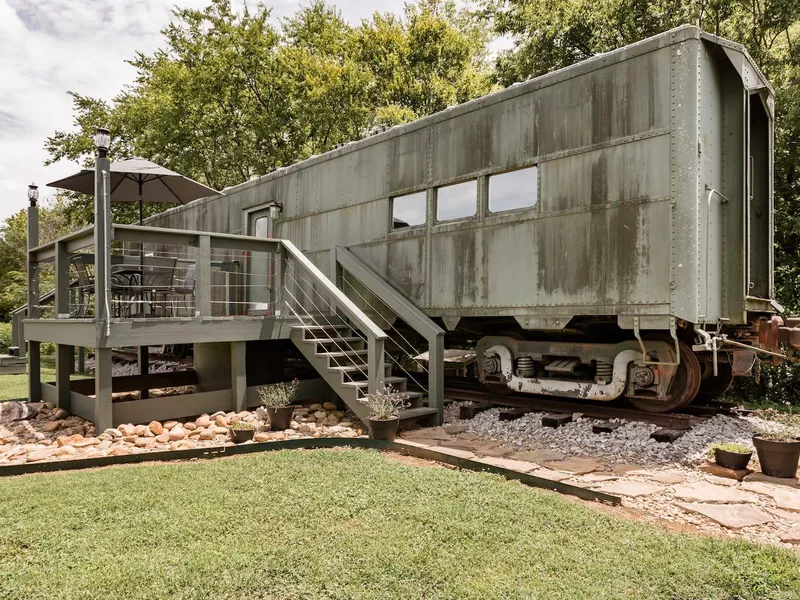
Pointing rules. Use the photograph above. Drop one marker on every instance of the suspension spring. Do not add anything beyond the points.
(603, 371)
(526, 367)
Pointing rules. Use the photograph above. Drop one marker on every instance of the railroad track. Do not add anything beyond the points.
(520, 403)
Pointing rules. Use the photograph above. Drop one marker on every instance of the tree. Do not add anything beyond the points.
(230, 95)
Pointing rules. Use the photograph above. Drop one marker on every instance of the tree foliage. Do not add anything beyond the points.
(232, 95)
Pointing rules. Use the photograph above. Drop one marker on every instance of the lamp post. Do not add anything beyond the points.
(33, 194)
(34, 355)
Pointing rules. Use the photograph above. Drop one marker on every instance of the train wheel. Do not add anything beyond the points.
(712, 387)
(685, 384)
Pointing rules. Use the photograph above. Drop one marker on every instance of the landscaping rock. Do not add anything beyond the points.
(550, 474)
(507, 463)
(260, 437)
(177, 433)
(114, 433)
(702, 491)
(787, 481)
(203, 421)
(69, 440)
(162, 438)
(169, 425)
(718, 471)
(733, 516)
(156, 427)
(190, 426)
(429, 433)
(329, 406)
(320, 414)
(120, 451)
(144, 442)
(16, 411)
(539, 456)
(60, 414)
(51, 426)
(576, 466)
(208, 434)
(632, 489)
(496, 452)
(785, 498)
(454, 429)
(39, 455)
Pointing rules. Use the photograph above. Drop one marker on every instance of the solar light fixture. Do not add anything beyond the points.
(102, 140)
(33, 194)
(275, 210)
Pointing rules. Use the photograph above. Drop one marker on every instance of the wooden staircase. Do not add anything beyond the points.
(340, 356)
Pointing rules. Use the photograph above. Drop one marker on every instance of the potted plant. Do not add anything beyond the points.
(385, 406)
(778, 453)
(278, 399)
(242, 432)
(731, 456)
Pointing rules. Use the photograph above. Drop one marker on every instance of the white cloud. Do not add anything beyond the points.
(50, 47)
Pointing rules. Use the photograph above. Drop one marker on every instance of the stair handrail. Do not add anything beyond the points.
(411, 314)
(376, 337)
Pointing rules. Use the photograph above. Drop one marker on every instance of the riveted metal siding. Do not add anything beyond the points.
(619, 226)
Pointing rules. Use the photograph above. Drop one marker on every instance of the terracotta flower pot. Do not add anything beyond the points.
(240, 436)
(777, 458)
(383, 429)
(732, 460)
(280, 417)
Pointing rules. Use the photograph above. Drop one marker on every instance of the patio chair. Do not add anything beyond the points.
(158, 276)
(85, 285)
(185, 287)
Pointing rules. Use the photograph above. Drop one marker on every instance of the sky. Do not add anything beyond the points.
(50, 47)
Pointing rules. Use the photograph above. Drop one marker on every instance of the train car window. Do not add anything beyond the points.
(261, 228)
(513, 190)
(409, 210)
(457, 201)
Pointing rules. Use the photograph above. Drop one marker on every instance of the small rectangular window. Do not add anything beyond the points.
(409, 210)
(457, 201)
(513, 190)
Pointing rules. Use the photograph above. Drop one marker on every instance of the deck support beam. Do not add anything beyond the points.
(239, 376)
(144, 369)
(103, 414)
(65, 361)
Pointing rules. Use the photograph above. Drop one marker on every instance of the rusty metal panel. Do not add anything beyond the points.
(619, 173)
(457, 269)
(510, 262)
(612, 257)
(407, 267)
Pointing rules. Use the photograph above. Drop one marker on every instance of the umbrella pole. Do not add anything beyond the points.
(141, 255)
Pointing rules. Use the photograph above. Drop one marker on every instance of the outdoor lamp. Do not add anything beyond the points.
(275, 210)
(102, 140)
(33, 194)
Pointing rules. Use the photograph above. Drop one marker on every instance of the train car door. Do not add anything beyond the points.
(758, 214)
(259, 266)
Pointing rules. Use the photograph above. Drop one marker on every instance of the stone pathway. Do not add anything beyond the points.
(760, 508)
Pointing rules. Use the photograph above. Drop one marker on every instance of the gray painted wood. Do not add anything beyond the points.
(103, 415)
(239, 376)
(65, 362)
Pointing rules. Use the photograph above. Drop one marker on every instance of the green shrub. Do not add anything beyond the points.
(770, 385)
(5, 337)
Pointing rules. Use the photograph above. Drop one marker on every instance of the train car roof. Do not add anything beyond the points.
(751, 75)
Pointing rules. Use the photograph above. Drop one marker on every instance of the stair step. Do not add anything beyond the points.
(340, 354)
(356, 368)
(413, 413)
(410, 395)
(333, 340)
(361, 384)
(320, 327)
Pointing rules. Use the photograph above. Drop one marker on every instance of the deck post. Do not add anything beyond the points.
(144, 368)
(62, 281)
(65, 362)
(436, 376)
(279, 280)
(203, 281)
(239, 376)
(102, 239)
(103, 415)
(34, 350)
(81, 360)
(375, 359)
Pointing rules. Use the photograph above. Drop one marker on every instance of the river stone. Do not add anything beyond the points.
(632, 489)
(190, 426)
(141, 430)
(144, 442)
(170, 425)
(702, 491)
(207, 434)
(120, 451)
(162, 438)
(60, 414)
(177, 433)
(329, 406)
(51, 426)
(156, 427)
(261, 437)
(103, 445)
(203, 421)
(114, 433)
(576, 466)
(38, 455)
(732, 516)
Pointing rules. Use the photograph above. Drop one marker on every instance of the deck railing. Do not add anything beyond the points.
(231, 276)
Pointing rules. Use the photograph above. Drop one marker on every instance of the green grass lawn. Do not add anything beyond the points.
(347, 524)
(13, 387)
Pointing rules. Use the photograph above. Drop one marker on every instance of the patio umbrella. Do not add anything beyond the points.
(131, 177)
